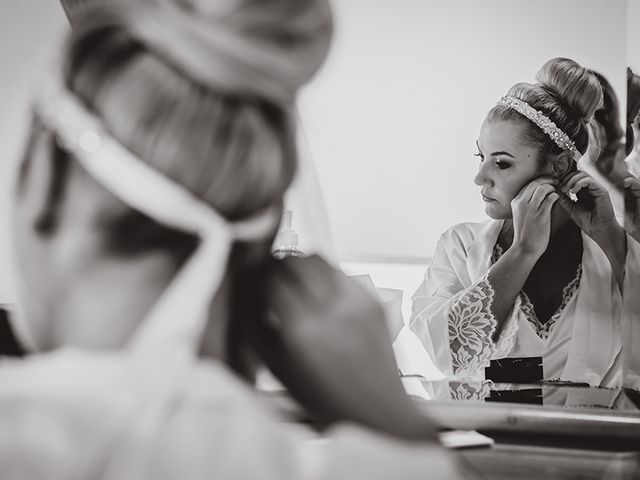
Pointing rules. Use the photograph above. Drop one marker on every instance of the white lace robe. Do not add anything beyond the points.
(452, 314)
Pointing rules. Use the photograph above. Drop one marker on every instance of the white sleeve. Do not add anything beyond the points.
(454, 318)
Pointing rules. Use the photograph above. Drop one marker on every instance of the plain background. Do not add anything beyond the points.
(393, 117)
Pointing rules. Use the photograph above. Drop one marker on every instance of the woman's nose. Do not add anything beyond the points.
(483, 176)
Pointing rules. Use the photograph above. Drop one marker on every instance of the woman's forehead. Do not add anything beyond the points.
(503, 136)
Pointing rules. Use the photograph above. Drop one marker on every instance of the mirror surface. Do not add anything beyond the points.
(393, 118)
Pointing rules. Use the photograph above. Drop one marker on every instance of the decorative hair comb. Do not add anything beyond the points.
(543, 122)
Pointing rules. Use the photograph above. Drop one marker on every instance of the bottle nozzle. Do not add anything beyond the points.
(287, 236)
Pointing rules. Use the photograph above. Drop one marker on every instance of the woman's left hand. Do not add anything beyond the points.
(632, 206)
(593, 211)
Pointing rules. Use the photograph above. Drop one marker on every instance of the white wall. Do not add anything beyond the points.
(28, 30)
(633, 37)
(393, 117)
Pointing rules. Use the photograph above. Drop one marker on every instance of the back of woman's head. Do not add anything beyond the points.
(202, 91)
(633, 107)
(567, 93)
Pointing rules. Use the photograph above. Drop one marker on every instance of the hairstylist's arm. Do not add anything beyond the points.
(328, 342)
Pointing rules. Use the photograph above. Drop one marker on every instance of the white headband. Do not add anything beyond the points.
(177, 320)
(543, 122)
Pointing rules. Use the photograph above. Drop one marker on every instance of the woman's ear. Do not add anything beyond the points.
(562, 164)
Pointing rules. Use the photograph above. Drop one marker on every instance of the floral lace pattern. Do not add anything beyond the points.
(543, 330)
(471, 328)
(470, 390)
(472, 324)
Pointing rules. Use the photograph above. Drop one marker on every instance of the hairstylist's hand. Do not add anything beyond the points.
(632, 206)
(328, 343)
(531, 210)
(592, 211)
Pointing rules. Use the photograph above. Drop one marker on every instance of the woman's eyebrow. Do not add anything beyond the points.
(495, 154)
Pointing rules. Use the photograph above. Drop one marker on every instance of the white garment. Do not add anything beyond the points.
(452, 314)
(631, 316)
(66, 415)
(633, 163)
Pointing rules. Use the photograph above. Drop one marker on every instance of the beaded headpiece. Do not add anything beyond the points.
(541, 120)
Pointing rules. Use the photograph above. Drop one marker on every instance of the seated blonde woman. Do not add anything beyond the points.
(147, 200)
(534, 292)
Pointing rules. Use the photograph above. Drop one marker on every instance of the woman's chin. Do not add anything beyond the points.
(496, 212)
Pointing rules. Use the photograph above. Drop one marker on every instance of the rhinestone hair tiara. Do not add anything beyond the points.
(543, 122)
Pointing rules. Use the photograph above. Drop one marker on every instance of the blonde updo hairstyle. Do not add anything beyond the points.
(203, 91)
(567, 93)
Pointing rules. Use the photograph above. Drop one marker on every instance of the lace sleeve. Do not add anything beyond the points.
(470, 390)
(471, 328)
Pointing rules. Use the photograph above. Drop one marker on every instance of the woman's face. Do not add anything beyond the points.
(507, 164)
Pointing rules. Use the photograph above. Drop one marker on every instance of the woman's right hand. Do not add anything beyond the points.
(531, 210)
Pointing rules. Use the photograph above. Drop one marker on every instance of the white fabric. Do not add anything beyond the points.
(583, 346)
(631, 316)
(64, 414)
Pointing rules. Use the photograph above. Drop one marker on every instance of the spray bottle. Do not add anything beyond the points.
(287, 241)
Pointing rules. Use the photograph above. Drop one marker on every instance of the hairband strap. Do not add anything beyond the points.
(543, 122)
(135, 182)
(175, 323)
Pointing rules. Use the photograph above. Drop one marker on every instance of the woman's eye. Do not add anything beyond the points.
(502, 165)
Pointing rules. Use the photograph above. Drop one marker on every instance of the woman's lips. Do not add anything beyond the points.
(488, 199)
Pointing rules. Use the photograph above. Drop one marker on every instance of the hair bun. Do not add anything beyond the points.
(262, 48)
(573, 84)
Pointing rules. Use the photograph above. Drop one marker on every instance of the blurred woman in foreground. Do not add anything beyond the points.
(147, 201)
